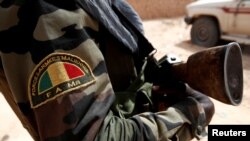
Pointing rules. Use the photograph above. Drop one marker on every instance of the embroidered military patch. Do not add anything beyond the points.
(56, 75)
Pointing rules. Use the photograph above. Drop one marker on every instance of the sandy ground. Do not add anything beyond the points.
(168, 36)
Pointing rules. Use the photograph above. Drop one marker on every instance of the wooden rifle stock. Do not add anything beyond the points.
(216, 72)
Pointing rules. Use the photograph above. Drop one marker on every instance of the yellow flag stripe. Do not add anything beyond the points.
(57, 73)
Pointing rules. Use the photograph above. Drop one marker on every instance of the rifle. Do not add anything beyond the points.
(216, 72)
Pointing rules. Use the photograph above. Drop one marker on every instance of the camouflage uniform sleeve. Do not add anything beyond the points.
(171, 124)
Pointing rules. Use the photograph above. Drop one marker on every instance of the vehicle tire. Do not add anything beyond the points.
(205, 32)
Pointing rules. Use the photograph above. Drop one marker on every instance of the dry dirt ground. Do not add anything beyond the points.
(168, 36)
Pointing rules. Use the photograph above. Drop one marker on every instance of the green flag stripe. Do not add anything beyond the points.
(45, 82)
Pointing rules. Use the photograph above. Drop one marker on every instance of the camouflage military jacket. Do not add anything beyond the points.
(58, 74)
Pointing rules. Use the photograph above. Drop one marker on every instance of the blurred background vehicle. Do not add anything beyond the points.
(212, 20)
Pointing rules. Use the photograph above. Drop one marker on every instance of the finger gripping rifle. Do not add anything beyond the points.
(216, 72)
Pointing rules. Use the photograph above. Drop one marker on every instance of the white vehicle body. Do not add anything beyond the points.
(231, 18)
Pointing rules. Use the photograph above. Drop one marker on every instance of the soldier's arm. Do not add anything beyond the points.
(184, 120)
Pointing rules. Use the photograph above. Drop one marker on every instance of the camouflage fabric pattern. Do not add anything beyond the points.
(52, 61)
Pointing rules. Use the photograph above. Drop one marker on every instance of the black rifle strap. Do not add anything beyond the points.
(145, 48)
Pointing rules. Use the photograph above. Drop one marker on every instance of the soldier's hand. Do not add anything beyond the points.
(204, 100)
(164, 97)
(168, 95)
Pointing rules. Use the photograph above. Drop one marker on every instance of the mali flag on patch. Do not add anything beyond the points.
(56, 75)
(59, 73)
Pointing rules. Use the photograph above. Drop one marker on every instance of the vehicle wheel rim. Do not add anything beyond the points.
(203, 34)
